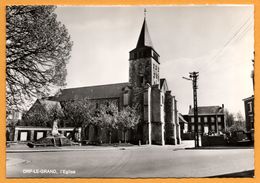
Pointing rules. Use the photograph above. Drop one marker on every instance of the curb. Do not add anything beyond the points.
(69, 149)
(92, 149)
(218, 148)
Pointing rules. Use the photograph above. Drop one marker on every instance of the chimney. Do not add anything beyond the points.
(223, 106)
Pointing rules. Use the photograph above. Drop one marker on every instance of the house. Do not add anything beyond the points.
(249, 112)
(211, 119)
(249, 107)
(183, 124)
(159, 122)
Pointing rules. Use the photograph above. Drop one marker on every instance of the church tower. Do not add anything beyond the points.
(144, 65)
(143, 77)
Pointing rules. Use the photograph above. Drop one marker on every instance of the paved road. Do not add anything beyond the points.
(143, 162)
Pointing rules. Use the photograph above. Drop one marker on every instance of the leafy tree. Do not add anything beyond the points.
(82, 112)
(229, 118)
(240, 117)
(238, 125)
(107, 118)
(128, 118)
(79, 112)
(38, 47)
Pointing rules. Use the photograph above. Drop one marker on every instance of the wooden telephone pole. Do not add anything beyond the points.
(194, 77)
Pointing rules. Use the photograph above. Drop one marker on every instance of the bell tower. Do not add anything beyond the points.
(143, 78)
(144, 65)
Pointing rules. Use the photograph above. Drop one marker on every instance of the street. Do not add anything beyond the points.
(137, 162)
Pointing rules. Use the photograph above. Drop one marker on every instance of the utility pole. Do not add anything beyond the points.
(193, 77)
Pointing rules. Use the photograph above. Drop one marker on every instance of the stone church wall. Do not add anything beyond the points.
(170, 129)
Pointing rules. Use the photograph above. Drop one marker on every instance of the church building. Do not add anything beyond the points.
(159, 122)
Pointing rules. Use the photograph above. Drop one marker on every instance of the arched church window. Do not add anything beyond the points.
(140, 81)
(126, 99)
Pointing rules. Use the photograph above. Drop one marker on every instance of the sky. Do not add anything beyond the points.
(216, 41)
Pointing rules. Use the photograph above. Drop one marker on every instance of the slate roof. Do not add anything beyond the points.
(249, 98)
(144, 37)
(203, 110)
(181, 118)
(162, 81)
(93, 92)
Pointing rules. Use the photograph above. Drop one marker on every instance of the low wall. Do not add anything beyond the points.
(187, 136)
(213, 141)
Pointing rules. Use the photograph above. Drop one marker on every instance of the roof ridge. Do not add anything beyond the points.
(96, 85)
(210, 106)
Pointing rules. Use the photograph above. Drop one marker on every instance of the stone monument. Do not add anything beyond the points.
(53, 139)
(55, 131)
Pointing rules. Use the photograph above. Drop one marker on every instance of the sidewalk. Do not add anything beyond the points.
(220, 147)
(18, 148)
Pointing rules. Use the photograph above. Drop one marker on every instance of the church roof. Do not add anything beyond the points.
(162, 81)
(93, 92)
(208, 110)
(144, 37)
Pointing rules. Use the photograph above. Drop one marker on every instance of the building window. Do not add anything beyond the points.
(126, 99)
(199, 120)
(251, 118)
(212, 119)
(219, 119)
(23, 136)
(249, 106)
(205, 119)
(199, 128)
(219, 127)
(39, 135)
(67, 134)
(206, 129)
(192, 119)
(213, 127)
(192, 128)
(141, 80)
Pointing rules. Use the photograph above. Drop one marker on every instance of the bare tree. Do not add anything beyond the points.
(37, 50)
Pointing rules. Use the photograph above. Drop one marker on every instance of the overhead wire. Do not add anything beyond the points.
(241, 31)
